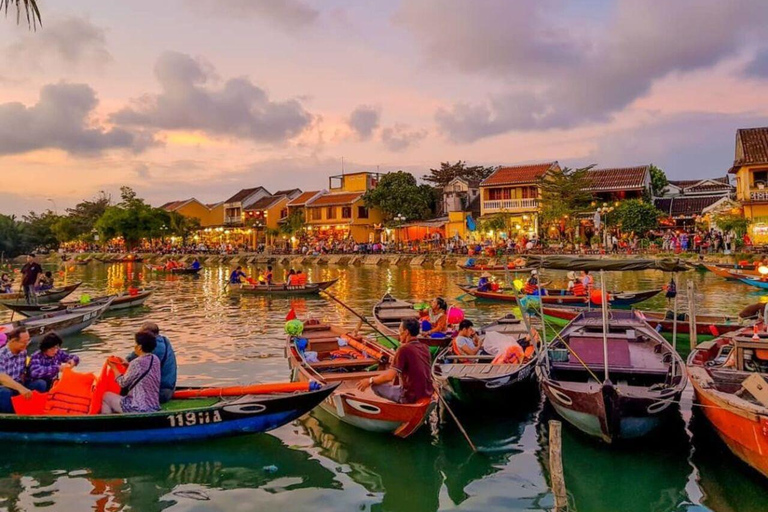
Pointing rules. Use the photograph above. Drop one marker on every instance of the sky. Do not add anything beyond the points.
(194, 98)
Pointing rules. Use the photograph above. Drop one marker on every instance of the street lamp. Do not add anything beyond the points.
(399, 219)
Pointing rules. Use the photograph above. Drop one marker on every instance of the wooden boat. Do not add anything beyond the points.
(562, 297)
(495, 268)
(732, 273)
(180, 270)
(119, 302)
(757, 282)
(474, 381)
(131, 258)
(178, 420)
(82, 262)
(363, 409)
(62, 323)
(280, 288)
(645, 376)
(389, 312)
(717, 370)
(43, 297)
(705, 324)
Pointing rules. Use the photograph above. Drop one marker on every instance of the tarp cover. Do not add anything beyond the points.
(560, 262)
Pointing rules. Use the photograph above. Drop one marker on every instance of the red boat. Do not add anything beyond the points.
(718, 369)
(363, 409)
(733, 273)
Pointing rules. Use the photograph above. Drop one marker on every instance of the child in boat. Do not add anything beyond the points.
(46, 363)
(293, 278)
(6, 283)
(467, 342)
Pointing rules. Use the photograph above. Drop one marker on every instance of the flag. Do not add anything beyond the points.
(291, 315)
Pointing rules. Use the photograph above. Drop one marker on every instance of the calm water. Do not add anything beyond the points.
(325, 465)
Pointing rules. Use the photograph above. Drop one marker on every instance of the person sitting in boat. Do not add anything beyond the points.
(167, 356)
(484, 284)
(293, 278)
(438, 318)
(467, 342)
(237, 276)
(516, 353)
(586, 280)
(14, 379)
(46, 281)
(571, 281)
(301, 277)
(269, 276)
(6, 283)
(531, 286)
(578, 288)
(46, 363)
(140, 384)
(195, 265)
(412, 365)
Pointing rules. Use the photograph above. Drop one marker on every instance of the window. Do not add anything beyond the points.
(346, 212)
(497, 194)
(330, 212)
(283, 213)
(760, 177)
(316, 214)
(362, 212)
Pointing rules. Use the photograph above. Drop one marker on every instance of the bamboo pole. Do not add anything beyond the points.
(692, 314)
(604, 310)
(556, 466)
(674, 324)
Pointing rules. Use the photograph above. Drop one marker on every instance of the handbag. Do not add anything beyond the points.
(127, 389)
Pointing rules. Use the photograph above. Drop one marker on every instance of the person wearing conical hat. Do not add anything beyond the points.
(484, 284)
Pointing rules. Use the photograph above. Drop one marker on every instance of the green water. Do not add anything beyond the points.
(323, 465)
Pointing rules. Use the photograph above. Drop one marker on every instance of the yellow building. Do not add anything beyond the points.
(750, 165)
(514, 193)
(193, 208)
(267, 213)
(340, 213)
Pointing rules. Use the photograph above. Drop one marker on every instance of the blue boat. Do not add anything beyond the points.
(190, 419)
(757, 282)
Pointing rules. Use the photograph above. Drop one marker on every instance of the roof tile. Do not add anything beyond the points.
(685, 206)
(754, 146)
(517, 175)
(620, 178)
(342, 198)
(302, 199)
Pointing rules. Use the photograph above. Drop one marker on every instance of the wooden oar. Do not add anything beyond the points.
(456, 420)
(358, 315)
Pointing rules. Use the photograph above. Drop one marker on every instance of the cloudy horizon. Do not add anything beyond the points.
(194, 98)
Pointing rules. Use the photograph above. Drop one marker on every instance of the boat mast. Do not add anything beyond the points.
(604, 310)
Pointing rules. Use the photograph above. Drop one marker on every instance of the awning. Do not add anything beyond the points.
(432, 223)
(559, 262)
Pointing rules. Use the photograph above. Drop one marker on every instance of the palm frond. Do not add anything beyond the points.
(30, 9)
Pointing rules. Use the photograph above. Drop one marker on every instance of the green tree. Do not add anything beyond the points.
(294, 223)
(563, 196)
(133, 219)
(398, 194)
(730, 222)
(28, 6)
(494, 223)
(80, 220)
(658, 179)
(448, 171)
(635, 215)
(11, 236)
(182, 226)
(39, 232)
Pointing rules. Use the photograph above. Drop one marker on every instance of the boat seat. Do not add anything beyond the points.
(479, 370)
(343, 363)
(599, 368)
(396, 314)
(590, 350)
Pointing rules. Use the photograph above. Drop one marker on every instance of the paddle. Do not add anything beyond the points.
(358, 315)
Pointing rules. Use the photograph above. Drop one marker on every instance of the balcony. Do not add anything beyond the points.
(758, 195)
(233, 220)
(510, 205)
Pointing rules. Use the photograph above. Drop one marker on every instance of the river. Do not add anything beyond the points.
(319, 464)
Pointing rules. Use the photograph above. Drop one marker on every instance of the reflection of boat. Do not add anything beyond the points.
(717, 370)
(704, 323)
(363, 359)
(62, 323)
(280, 288)
(475, 380)
(44, 297)
(82, 262)
(144, 477)
(131, 258)
(561, 297)
(389, 312)
(180, 420)
(640, 376)
(119, 302)
(651, 476)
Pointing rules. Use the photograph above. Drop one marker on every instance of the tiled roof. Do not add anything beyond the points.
(172, 206)
(518, 175)
(689, 183)
(336, 199)
(685, 206)
(264, 203)
(243, 194)
(752, 147)
(621, 178)
(303, 198)
(291, 192)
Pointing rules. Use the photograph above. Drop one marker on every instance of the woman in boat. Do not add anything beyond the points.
(532, 285)
(269, 276)
(140, 384)
(301, 277)
(237, 276)
(6, 283)
(195, 265)
(516, 353)
(438, 318)
(293, 278)
(484, 284)
(467, 342)
(46, 363)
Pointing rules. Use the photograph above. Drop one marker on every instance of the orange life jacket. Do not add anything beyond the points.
(293, 280)
(302, 279)
(529, 289)
(362, 347)
(346, 353)
(578, 289)
(513, 354)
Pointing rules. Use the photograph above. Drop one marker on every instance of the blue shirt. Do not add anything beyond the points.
(166, 355)
(195, 265)
(235, 276)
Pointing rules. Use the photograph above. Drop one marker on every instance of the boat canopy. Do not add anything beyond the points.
(560, 262)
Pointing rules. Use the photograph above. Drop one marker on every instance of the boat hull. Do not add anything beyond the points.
(245, 415)
(62, 323)
(45, 297)
(308, 289)
(495, 268)
(618, 300)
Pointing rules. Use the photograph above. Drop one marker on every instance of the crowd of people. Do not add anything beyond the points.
(146, 376)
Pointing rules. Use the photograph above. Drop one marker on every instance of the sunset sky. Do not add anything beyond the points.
(181, 98)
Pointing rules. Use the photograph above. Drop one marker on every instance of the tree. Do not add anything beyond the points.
(294, 223)
(730, 222)
(11, 236)
(28, 6)
(80, 220)
(496, 223)
(39, 232)
(133, 219)
(634, 215)
(564, 195)
(398, 194)
(658, 179)
(182, 226)
(448, 171)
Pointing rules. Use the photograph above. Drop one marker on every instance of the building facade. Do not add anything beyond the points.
(750, 166)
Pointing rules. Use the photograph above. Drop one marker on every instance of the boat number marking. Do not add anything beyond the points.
(189, 419)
